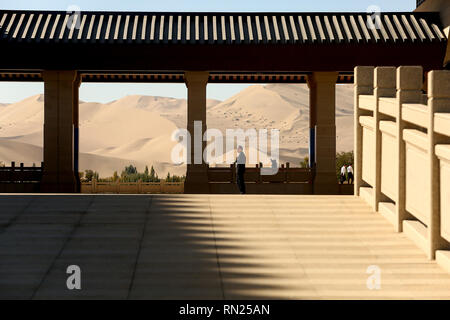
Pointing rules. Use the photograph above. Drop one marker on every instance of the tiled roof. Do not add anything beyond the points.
(218, 28)
(177, 77)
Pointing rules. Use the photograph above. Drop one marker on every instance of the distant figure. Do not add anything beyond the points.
(350, 174)
(343, 174)
(240, 169)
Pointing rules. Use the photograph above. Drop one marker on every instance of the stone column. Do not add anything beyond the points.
(323, 99)
(384, 86)
(409, 85)
(363, 85)
(59, 105)
(197, 170)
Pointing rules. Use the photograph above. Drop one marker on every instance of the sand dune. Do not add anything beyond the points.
(29, 154)
(118, 124)
(137, 129)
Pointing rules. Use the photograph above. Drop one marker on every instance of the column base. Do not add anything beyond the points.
(52, 183)
(326, 183)
(196, 187)
(197, 180)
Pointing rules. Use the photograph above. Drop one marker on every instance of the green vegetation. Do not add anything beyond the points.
(175, 178)
(89, 175)
(130, 174)
(343, 158)
(304, 163)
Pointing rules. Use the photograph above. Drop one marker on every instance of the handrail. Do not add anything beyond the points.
(402, 143)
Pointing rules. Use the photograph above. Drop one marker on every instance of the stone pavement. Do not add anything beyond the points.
(207, 247)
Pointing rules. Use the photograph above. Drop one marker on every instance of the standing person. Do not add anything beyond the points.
(350, 174)
(240, 169)
(343, 174)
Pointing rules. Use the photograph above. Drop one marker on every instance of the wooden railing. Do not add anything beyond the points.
(132, 187)
(402, 151)
(259, 174)
(20, 174)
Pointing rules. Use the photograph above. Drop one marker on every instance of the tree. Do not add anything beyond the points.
(305, 162)
(130, 170)
(115, 176)
(174, 178)
(153, 174)
(91, 175)
(131, 174)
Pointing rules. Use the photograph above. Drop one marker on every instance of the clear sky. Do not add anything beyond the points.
(11, 92)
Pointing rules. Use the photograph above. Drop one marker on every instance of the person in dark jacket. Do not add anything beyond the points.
(240, 169)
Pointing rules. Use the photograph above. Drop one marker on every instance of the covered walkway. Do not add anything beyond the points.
(198, 48)
(207, 246)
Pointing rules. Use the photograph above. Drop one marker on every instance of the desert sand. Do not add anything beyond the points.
(137, 129)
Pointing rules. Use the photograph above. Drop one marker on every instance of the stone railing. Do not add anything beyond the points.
(256, 174)
(402, 151)
(132, 187)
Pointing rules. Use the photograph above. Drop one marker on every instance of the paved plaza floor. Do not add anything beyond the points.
(208, 247)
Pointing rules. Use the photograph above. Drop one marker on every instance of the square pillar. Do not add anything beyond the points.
(323, 101)
(59, 104)
(409, 83)
(197, 169)
(364, 77)
(438, 102)
(384, 86)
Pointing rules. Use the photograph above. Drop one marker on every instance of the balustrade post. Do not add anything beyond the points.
(286, 172)
(162, 182)
(139, 186)
(384, 86)
(438, 101)
(363, 85)
(259, 174)
(409, 90)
